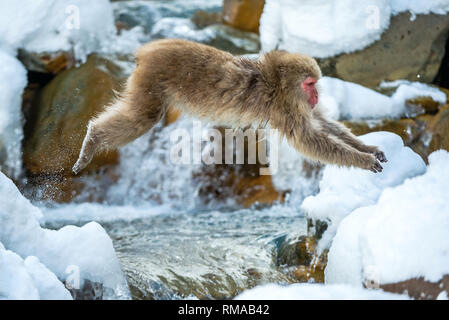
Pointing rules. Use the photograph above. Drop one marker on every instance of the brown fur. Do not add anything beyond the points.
(216, 86)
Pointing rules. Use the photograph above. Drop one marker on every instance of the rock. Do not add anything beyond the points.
(128, 15)
(239, 182)
(46, 62)
(256, 190)
(203, 18)
(426, 103)
(442, 78)
(424, 134)
(58, 124)
(411, 50)
(420, 289)
(438, 126)
(407, 129)
(233, 40)
(243, 14)
(302, 256)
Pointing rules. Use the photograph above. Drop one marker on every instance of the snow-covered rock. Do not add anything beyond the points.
(342, 190)
(403, 235)
(78, 26)
(347, 100)
(71, 253)
(308, 291)
(324, 28)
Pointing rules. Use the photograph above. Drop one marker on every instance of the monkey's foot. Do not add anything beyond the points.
(80, 165)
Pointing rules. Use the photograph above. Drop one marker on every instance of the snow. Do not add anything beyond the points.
(420, 7)
(87, 249)
(342, 190)
(347, 100)
(28, 279)
(403, 235)
(322, 28)
(78, 26)
(406, 90)
(307, 291)
(14, 79)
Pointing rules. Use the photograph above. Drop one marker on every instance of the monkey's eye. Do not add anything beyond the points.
(310, 81)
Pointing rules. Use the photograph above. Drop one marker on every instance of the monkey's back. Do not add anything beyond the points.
(191, 75)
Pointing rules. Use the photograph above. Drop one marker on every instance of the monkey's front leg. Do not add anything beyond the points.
(345, 135)
(319, 145)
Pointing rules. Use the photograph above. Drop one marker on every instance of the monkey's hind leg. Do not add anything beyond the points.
(118, 125)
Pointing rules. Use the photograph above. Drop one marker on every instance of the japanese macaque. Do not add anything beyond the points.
(279, 89)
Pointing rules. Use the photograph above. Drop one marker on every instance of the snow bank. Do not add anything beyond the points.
(13, 78)
(307, 291)
(81, 26)
(403, 236)
(86, 252)
(347, 100)
(342, 190)
(28, 279)
(323, 28)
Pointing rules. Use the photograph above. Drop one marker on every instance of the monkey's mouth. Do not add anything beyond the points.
(313, 100)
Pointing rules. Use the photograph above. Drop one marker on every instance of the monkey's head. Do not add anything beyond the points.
(294, 75)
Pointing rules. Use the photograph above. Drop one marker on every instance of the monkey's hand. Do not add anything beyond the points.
(372, 163)
(379, 154)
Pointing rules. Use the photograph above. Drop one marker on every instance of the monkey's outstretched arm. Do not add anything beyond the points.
(345, 135)
(319, 145)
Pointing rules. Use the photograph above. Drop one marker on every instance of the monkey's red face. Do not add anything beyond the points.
(309, 88)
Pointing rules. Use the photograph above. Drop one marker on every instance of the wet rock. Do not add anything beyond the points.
(90, 291)
(243, 14)
(256, 190)
(203, 18)
(219, 36)
(60, 115)
(427, 104)
(129, 15)
(46, 62)
(407, 129)
(419, 288)
(241, 183)
(411, 50)
(233, 40)
(438, 127)
(316, 228)
(300, 258)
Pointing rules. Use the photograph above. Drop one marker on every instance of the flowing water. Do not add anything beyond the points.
(209, 254)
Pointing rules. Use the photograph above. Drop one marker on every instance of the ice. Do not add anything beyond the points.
(307, 291)
(403, 235)
(342, 190)
(323, 28)
(81, 252)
